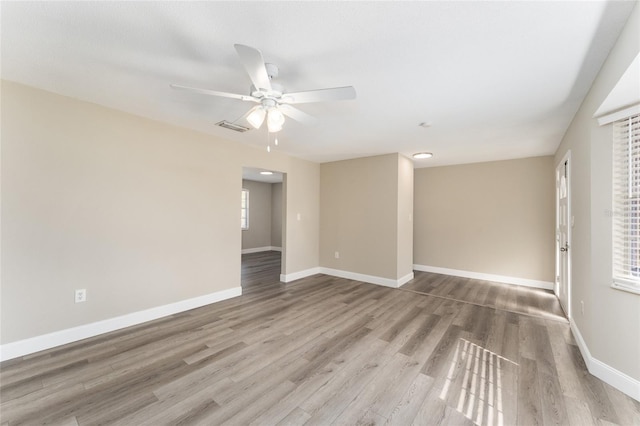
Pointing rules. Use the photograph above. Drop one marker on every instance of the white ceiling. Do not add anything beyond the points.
(252, 173)
(496, 80)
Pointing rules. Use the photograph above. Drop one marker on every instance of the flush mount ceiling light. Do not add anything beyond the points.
(266, 173)
(422, 155)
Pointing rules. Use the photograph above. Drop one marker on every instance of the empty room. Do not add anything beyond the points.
(321, 213)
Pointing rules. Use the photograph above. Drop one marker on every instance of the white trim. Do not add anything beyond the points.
(621, 285)
(69, 335)
(525, 282)
(387, 282)
(566, 159)
(287, 278)
(402, 281)
(619, 114)
(371, 279)
(605, 372)
(260, 249)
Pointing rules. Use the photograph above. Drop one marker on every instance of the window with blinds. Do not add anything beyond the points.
(244, 210)
(626, 204)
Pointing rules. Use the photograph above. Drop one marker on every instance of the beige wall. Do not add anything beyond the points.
(493, 218)
(610, 324)
(140, 213)
(259, 232)
(359, 216)
(301, 225)
(276, 215)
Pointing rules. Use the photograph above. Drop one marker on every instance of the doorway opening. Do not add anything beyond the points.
(564, 223)
(262, 222)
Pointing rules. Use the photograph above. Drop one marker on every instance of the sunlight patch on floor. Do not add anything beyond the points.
(480, 391)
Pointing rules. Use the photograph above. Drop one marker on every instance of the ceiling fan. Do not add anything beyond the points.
(272, 99)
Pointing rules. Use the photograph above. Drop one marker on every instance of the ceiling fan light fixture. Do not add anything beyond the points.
(256, 118)
(275, 120)
(422, 155)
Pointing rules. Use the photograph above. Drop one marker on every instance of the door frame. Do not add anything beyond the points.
(283, 223)
(570, 222)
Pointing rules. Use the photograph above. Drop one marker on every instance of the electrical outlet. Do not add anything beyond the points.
(582, 307)
(337, 255)
(81, 295)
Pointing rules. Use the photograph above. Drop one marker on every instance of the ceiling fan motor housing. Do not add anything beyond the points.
(275, 93)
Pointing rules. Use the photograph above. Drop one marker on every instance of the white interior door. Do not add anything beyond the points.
(563, 234)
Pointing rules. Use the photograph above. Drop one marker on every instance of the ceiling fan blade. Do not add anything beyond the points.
(214, 93)
(296, 114)
(254, 64)
(320, 95)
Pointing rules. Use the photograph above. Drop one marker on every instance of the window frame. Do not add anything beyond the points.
(244, 209)
(626, 205)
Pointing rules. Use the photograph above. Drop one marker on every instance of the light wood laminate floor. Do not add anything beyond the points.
(319, 351)
(259, 269)
(506, 297)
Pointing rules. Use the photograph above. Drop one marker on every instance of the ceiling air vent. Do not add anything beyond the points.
(231, 126)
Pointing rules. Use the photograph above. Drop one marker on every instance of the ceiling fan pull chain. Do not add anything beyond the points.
(268, 144)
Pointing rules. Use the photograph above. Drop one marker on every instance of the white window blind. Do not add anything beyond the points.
(626, 204)
(244, 210)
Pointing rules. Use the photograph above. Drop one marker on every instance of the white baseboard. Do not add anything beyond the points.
(371, 279)
(62, 337)
(604, 372)
(526, 282)
(260, 249)
(402, 281)
(387, 282)
(287, 278)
